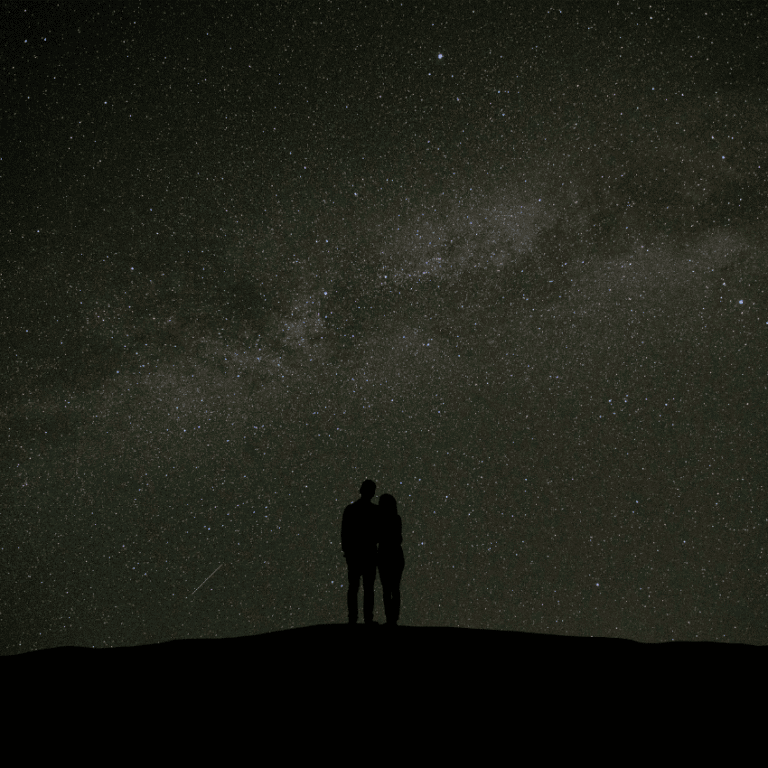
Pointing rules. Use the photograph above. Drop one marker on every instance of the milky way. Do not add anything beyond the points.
(510, 267)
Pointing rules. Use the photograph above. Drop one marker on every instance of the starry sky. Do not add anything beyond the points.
(507, 260)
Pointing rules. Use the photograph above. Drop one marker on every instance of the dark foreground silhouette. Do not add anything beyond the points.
(363, 693)
(340, 664)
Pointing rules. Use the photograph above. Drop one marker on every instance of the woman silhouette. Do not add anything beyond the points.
(390, 559)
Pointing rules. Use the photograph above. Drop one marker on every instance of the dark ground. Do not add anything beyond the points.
(404, 672)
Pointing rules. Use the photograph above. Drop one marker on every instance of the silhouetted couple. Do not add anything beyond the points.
(364, 527)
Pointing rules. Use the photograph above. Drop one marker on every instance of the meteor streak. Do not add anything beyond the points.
(195, 590)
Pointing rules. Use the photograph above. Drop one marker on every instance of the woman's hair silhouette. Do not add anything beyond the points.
(388, 504)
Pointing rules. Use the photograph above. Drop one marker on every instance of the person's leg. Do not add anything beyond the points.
(353, 575)
(397, 575)
(385, 590)
(369, 580)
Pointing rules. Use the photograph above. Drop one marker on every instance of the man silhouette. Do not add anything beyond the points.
(359, 539)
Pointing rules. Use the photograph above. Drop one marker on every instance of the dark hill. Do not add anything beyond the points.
(330, 668)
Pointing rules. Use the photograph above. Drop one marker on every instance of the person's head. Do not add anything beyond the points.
(388, 504)
(368, 489)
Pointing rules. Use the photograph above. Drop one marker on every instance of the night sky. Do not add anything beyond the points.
(507, 260)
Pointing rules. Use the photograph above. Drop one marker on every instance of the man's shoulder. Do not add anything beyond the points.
(362, 504)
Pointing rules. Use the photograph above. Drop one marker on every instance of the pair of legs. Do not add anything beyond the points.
(391, 573)
(367, 570)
